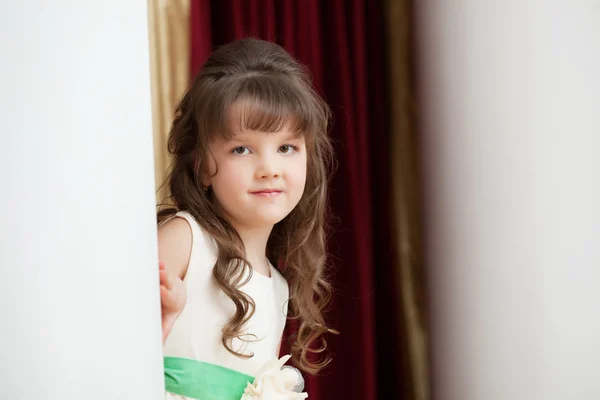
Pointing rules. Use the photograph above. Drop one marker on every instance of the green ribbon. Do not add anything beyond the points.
(203, 381)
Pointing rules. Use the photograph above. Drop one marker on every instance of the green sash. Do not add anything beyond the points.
(203, 381)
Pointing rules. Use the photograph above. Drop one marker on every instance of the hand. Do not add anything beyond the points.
(173, 296)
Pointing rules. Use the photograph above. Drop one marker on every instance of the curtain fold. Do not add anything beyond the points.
(169, 25)
(409, 269)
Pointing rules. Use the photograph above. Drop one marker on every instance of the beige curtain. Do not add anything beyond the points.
(169, 31)
(409, 274)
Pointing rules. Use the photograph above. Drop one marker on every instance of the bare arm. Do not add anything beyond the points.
(174, 248)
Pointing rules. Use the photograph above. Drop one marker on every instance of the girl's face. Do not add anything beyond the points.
(260, 177)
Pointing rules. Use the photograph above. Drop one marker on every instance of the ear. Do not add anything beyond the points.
(201, 173)
(204, 178)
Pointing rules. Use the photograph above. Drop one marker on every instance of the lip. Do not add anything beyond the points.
(266, 192)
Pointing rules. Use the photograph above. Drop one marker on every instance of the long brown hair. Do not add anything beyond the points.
(275, 90)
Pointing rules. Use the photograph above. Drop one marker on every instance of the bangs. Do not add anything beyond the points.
(266, 103)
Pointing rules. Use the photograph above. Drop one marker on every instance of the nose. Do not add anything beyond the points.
(268, 167)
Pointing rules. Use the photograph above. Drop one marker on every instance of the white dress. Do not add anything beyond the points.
(197, 332)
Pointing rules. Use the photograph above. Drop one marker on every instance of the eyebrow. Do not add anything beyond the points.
(243, 136)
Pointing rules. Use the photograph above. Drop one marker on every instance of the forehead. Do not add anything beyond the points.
(261, 102)
(251, 117)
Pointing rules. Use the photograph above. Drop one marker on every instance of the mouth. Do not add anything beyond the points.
(267, 192)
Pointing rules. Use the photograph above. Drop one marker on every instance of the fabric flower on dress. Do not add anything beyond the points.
(275, 382)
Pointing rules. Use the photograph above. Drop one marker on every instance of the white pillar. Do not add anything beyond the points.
(510, 95)
(79, 286)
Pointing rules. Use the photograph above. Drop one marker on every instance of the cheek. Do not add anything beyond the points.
(231, 178)
(298, 173)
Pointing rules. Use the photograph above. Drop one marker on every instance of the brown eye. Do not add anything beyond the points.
(287, 149)
(241, 150)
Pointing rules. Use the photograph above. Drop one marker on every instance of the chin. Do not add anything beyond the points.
(269, 219)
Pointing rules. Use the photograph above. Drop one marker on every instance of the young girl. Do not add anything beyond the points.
(244, 247)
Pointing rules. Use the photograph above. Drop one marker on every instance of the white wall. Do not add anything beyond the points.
(511, 117)
(79, 285)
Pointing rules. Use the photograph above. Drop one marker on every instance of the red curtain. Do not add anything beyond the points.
(341, 42)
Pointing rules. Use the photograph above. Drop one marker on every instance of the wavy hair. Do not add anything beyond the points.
(275, 91)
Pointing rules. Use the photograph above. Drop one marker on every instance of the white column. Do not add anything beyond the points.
(79, 285)
(510, 95)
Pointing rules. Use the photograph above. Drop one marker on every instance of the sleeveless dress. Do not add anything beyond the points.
(195, 339)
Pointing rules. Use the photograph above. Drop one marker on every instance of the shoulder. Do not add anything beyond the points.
(183, 240)
(175, 245)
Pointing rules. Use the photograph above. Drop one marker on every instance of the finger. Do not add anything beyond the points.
(161, 265)
(166, 297)
(165, 279)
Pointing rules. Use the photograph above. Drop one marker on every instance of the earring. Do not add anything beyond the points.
(205, 188)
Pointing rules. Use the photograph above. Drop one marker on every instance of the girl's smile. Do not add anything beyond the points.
(267, 193)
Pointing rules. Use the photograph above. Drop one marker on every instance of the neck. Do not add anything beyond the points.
(255, 242)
